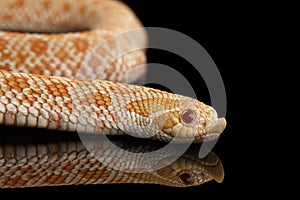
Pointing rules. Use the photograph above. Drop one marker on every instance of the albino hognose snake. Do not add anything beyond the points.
(42, 45)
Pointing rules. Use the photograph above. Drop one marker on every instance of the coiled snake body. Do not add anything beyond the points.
(42, 46)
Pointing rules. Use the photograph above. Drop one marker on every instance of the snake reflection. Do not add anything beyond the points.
(65, 161)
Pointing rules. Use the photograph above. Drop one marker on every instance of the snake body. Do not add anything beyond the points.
(42, 46)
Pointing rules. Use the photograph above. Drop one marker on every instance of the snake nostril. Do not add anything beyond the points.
(186, 178)
(188, 116)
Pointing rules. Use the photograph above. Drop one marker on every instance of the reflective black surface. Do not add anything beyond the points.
(213, 30)
(173, 165)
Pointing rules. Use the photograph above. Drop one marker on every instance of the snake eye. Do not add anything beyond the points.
(186, 178)
(188, 116)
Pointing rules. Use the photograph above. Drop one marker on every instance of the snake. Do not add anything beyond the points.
(42, 84)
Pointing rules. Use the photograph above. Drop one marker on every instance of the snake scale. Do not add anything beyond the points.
(42, 46)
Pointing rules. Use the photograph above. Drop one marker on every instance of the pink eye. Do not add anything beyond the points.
(188, 116)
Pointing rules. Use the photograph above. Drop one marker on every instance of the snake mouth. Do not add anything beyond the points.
(216, 129)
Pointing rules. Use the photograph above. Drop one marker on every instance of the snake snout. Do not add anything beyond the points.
(217, 128)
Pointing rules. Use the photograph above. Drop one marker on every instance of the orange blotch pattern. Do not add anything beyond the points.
(146, 107)
(66, 7)
(101, 100)
(16, 4)
(82, 9)
(20, 59)
(38, 46)
(46, 4)
(57, 89)
(14, 85)
(94, 62)
(80, 44)
(3, 44)
(6, 17)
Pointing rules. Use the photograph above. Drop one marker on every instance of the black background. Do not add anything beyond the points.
(216, 32)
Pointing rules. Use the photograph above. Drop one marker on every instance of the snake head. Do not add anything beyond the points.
(189, 170)
(191, 119)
